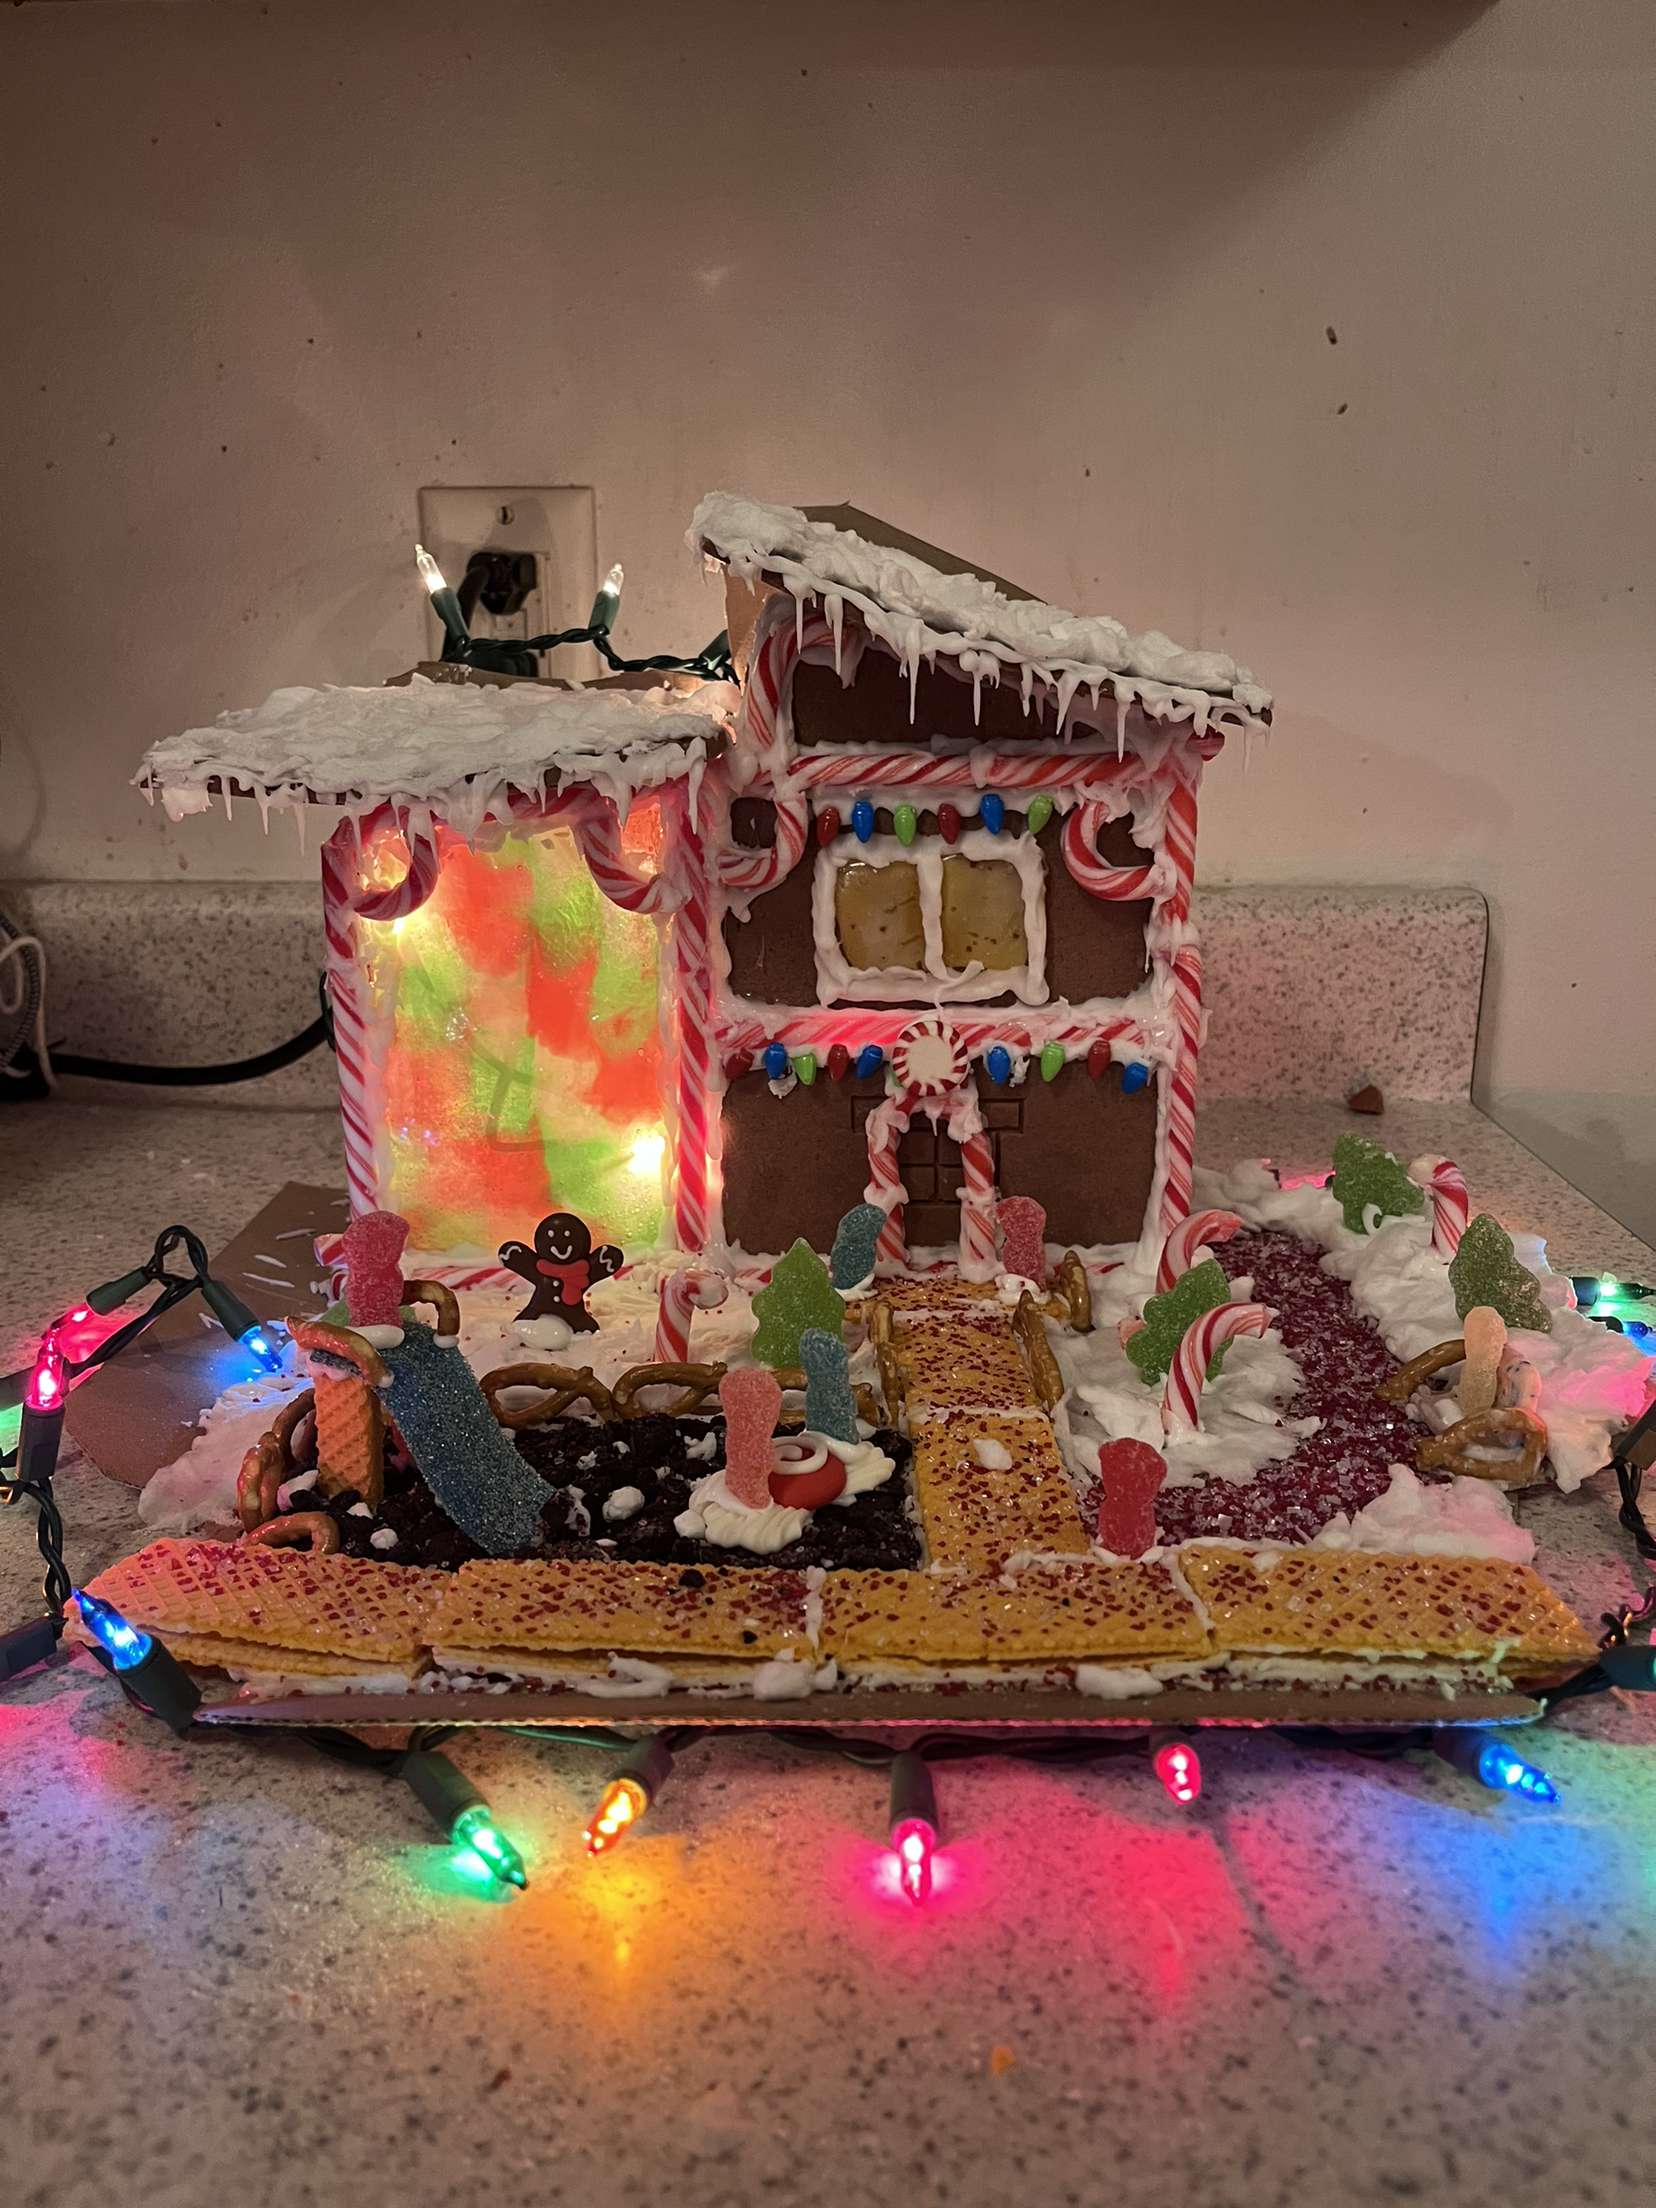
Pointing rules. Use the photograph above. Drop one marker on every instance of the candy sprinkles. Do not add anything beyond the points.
(797, 1080)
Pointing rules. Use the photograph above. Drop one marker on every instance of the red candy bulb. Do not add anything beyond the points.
(839, 1062)
(1132, 1473)
(827, 823)
(1098, 1060)
(734, 1068)
(948, 822)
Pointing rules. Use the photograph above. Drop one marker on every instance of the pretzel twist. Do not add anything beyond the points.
(1044, 1370)
(1073, 1301)
(441, 1298)
(344, 1345)
(1453, 1451)
(314, 1529)
(882, 1333)
(273, 1458)
(1407, 1378)
(566, 1384)
(695, 1383)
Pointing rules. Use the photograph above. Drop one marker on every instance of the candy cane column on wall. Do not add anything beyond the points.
(345, 901)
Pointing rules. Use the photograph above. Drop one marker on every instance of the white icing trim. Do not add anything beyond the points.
(840, 982)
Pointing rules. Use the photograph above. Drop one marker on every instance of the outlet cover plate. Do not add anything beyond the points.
(558, 523)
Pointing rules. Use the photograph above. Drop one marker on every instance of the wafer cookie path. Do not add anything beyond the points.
(1082, 1611)
(274, 1598)
(951, 1363)
(638, 1609)
(988, 1487)
(1298, 1601)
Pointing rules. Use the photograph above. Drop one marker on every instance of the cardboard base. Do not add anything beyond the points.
(1358, 1711)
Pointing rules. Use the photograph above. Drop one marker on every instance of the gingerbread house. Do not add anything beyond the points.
(908, 919)
(950, 857)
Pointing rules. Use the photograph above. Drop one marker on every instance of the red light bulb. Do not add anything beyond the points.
(620, 1806)
(915, 1843)
(1179, 1769)
(48, 1383)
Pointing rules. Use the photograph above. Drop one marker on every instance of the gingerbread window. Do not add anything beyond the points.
(898, 922)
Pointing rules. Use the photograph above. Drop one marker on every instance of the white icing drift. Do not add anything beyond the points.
(921, 613)
(451, 748)
(1465, 1517)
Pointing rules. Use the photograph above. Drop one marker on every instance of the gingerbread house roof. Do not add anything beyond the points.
(923, 603)
(451, 749)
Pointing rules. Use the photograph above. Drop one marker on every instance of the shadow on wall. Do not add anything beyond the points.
(1603, 1145)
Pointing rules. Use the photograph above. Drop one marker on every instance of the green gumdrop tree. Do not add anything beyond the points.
(1365, 1174)
(1167, 1319)
(1485, 1271)
(800, 1294)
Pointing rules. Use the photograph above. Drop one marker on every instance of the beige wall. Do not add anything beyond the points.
(1061, 286)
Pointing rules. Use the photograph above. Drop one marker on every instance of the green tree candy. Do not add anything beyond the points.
(800, 1294)
(1484, 1270)
(1364, 1174)
(1167, 1318)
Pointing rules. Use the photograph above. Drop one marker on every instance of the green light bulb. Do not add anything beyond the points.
(476, 1829)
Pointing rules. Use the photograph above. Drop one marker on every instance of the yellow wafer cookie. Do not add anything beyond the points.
(1333, 1604)
(977, 1514)
(208, 1653)
(1079, 1610)
(277, 1598)
(636, 1608)
(956, 1362)
(938, 1294)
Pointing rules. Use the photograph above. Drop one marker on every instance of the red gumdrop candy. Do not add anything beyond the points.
(750, 1397)
(1022, 1223)
(1132, 1473)
(839, 1062)
(371, 1249)
(948, 822)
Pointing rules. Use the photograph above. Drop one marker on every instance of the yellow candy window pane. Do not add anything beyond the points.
(877, 916)
(983, 915)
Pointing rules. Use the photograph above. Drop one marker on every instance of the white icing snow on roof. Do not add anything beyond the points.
(449, 747)
(920, 612)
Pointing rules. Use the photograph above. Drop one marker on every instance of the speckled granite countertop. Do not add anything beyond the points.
(233, 1971)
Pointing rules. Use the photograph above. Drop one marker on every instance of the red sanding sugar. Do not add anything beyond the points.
(1347, 1463)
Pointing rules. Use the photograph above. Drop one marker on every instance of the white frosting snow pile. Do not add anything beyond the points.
(1461, 1518)
(919, 612)
(449, 747)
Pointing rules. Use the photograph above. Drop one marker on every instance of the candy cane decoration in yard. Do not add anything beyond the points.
(1445, 1184)
(1198, 1232)
(1181, 1409)
(692, 1289)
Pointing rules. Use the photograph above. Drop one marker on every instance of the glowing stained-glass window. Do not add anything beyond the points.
(520, 1066)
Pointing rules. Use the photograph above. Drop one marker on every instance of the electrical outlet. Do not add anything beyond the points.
(557, 524)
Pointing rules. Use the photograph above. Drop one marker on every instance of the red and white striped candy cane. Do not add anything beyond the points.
(596, 826)
(692, 1289)
(1199, 1232)
(694, 1060)
(783, 632)
(978, 1259)
(749, 872)
(1445, 1184)
(998, 770)
(1181, 1409)
(1117, 883)
(360, 1077)
(821, 1030)
(424, 865)
(885, 1184)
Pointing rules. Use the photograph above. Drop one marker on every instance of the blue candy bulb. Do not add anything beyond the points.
(777, 1065)
(862, 819)
(992, 812)
(870, 1059)
(998, 1065)
(1134, 1077)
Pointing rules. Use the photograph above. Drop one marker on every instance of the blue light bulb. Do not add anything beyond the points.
(261, 1348)
(997, 1063)
(777, 1064)
(1134, 1077)
(1503, 1769)
(862, 819)
(869, 1060)
(122, 1643)
(992, 812)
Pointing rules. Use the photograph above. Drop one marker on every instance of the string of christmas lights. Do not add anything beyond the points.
(510, 656)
